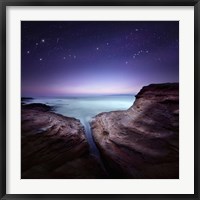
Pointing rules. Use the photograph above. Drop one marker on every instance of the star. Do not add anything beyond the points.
(36, 44)
(97, 48)
(107, 43)
(28, 52)
(74, 57)
(64, 58)
(41, 59)
(136, 29)
(43, 40)
(126, 62)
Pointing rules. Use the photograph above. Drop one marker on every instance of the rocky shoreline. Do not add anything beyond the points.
(141, 142)
(54, 146)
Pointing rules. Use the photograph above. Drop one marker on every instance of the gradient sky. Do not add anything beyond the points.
(97, 57)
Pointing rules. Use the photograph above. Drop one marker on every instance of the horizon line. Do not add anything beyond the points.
(85, 95)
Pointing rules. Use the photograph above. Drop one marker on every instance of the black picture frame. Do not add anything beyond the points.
(5, 3)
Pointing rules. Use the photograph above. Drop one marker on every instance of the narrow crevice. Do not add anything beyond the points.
(92, 145)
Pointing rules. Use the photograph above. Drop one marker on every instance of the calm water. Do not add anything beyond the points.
(84, 108)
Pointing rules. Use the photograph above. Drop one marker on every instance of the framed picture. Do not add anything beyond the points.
(99, 99)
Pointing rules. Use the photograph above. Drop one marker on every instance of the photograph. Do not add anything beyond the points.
(99, 99)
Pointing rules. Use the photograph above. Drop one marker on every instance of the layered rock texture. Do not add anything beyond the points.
(143, 141)
(54, 146)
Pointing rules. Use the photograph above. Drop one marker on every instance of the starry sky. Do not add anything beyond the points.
(74, 58)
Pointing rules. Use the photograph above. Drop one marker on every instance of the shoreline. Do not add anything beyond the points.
(129, 143)
(55, 146)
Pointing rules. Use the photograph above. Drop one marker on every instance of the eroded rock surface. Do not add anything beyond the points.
(54, 146)
(143, 141)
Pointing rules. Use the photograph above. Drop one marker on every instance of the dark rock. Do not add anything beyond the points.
(26, 98)
(54, 146)
(142, 142)
(37, 106)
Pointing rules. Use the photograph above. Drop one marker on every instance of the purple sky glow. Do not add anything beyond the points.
(97, 57)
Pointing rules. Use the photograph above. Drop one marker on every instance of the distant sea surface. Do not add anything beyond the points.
(84, 108)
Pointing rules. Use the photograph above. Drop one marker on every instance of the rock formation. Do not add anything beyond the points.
(54, 146)
(143, 141)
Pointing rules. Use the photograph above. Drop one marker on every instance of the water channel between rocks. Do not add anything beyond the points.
(84, 108)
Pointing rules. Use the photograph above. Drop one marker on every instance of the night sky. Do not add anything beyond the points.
(73, 58)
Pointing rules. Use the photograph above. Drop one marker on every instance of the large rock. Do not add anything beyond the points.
(143, 141)
(54, 146)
